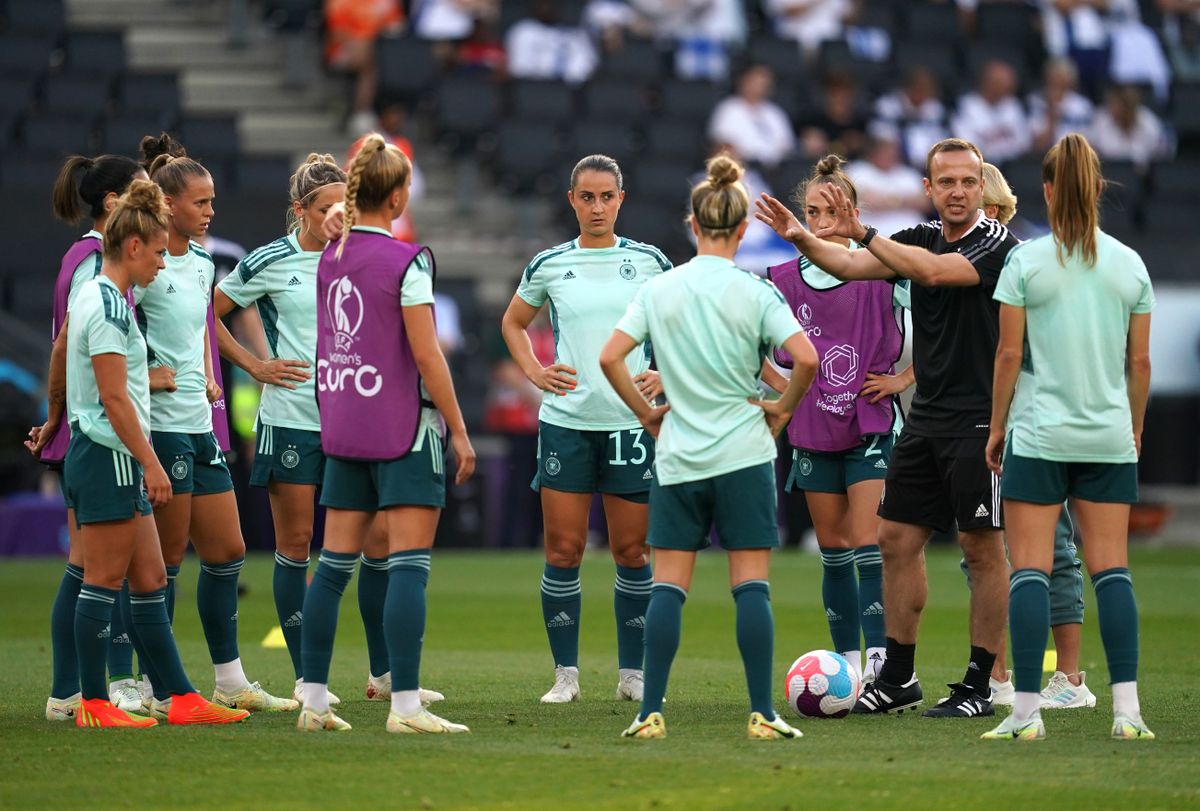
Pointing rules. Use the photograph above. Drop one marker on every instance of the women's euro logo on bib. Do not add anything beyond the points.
(344, 306)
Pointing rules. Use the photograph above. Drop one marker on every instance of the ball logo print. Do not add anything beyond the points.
(821, 684)
(345, 306)
(840, 365)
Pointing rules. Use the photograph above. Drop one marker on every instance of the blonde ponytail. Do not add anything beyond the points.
(375, 172)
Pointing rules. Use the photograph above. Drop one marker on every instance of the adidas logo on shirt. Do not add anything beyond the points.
(570, 274)
(295, 282)
(170, 288)
(647, 476)
(882, 465)
(294, 621)
(982, 512)
(560, 620)
(873, 608)
(636, 622)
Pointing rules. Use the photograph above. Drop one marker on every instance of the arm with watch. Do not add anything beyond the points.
(883, 258)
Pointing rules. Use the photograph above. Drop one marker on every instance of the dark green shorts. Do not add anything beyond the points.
(819, 472)
(417, 479)
(102, 484)
(62, 483)
(287, 455)
(1040, 481)
(741, 505)
(616, 462)
(194, 462)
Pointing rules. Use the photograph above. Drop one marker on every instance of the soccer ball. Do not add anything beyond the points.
(822, 684)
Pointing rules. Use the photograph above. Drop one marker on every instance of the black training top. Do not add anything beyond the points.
(955, 330)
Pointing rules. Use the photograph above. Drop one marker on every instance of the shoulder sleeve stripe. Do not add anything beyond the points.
(545, 256)
(771, 286)
(262, 258)
(199, 251)
(116, 309)
(641, 247)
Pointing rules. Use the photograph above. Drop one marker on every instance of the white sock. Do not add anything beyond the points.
(230, 676)
(875, 659)
(1125, 699)
(622, 672)
(855, 660)
(406, 703)
(316, 697)
(1026, 705)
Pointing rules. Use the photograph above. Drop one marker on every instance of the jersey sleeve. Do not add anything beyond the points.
(532, 288)
(1010, 288)
(1145, 302)
(244, 285)
(107, 322)
(989, 262)
(912, 236)
(635, 323)
(417, 287)
(778, 323)
(85, 271)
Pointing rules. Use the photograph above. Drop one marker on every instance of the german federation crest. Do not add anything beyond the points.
(553, 466)
(628, 271)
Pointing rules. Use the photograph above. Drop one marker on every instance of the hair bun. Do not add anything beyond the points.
(724, 171)
(152, 146)
(319, 158)
(144, 195)
(829, 165)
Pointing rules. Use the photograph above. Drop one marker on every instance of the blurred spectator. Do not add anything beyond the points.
(890, 192)
(702, 32)
(1137, 54)
(755, 127)
(1058, 108)
(609, 21)
(1127, 130)
(993, 118)
(443, 20)
(482, 52)
(351, 27)
(1181, 32)
(809, 22)
(1080, 30)
(392, 120)
(540, 48)
(913, 116)
(840, 126)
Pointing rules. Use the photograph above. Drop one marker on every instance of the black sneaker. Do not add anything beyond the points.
(963, 702)
(879, 697)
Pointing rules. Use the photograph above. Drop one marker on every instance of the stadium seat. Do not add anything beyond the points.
(615, 101)
(980, 53)
(928, 22)
(123, 133)
(544, 102)
(677, 141)
(292, 15)
(1015, 23)
(57, 134)
(407, 68)
(940, 58)
(526, 157)
(264, 174)
(591, 136)
(638, 61)
(662, 181)
(36, 17)
(25, 172)
(656, 224)
(1185, 114)
(466, 109)
(694, 101)
(782, 56)
(97, 52)
(77, 93)
(835, 56)
(210, 138)
(16, 92)
(26, 55)
(151, 93)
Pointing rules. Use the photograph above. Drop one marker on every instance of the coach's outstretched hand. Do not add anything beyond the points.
(778, 416)
(847, 224)
(780, 218)
(281, 372)
(995, 451)
(464, 455)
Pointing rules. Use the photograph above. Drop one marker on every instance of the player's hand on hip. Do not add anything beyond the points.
(776, 415)
(158, 486)
(282, 372)
(162, 378)
(780, 218)
(995, 451)
(652, 422)
(649, 384)
(879, 386)
(846, 225)
(557, 379)
(464, 454)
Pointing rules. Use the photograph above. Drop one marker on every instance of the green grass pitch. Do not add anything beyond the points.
(485, 648)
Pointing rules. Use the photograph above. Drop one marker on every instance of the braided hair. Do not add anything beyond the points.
(376, 171)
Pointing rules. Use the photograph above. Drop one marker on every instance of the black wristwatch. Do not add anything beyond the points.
(868, 236)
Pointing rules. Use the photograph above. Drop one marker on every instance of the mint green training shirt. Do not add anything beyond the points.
(589, 290)
(711, 324)
(172, 313)
(1071, 403)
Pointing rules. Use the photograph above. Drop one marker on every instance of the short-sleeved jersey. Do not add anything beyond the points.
(1071, 403)
(86, 270)
(712, 324)
(589, 290)
(955, 330)
(101, 323)
(172, 313)
(280, 279)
